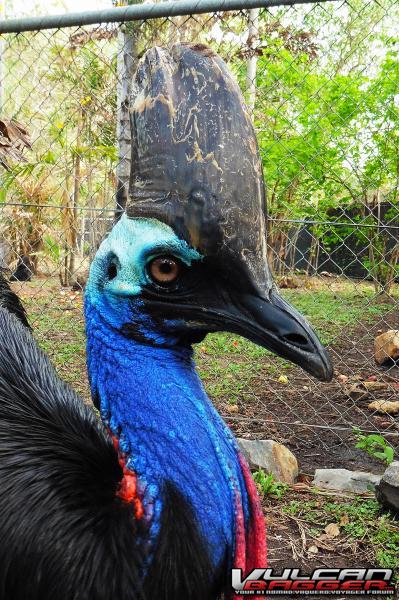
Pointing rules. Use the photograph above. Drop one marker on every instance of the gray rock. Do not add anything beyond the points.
(272, 457)
(345, 480)
(387, 491)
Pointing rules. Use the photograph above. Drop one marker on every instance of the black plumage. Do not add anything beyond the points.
(10, 301)
(64, 533)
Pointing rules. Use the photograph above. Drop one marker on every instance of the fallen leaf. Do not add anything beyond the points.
(326, 274)
(283, 379)
(304, 478)
(301, 487)
(385, 406)
(342, 378)
(372, 378)
(232, 408)
(373, 386)
(360, 391)
(313, 550)
(356, 391)
(332, 530)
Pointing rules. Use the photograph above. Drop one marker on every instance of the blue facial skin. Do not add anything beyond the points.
(152, 398)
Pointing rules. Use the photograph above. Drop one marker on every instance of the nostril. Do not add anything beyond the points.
(112, 270)
(297, 340)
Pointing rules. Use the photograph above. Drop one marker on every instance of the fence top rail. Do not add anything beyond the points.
(139, 12)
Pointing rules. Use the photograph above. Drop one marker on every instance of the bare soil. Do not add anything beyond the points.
(314, 419)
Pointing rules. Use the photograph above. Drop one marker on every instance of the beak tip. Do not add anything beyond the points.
(321, 367)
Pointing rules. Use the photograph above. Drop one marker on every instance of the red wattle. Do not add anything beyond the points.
(256, 535)
(127, 489)
(250, 546)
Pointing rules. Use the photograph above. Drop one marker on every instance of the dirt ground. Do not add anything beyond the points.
(326, 405)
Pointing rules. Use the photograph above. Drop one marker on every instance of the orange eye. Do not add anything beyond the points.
(164, 270)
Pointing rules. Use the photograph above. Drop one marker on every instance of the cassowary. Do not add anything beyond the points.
(157, 504)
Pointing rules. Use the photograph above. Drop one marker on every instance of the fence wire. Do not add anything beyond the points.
(322, 83)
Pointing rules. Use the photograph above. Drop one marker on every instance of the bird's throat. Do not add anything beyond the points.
(168, 432)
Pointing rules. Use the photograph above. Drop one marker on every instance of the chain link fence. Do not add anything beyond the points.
(322, 83)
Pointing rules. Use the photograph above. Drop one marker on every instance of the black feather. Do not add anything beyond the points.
(10, 300)
(181, 567)
(64, 534)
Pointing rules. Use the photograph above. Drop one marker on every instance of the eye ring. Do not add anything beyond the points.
(165, 270)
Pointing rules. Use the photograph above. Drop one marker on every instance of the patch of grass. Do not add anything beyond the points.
(331, 311)
(360, 521)
(267, 486)
(59, 329)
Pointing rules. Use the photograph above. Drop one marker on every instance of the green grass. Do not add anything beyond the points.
(59, 329)
(331, 311)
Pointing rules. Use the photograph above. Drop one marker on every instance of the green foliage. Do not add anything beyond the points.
(52, 249)
(326, 112)
(375, 445)
(267, 486)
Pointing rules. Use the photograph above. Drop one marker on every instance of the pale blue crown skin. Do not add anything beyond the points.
(135, 242)
(151, 396)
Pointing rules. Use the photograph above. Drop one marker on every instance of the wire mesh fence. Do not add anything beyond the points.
(322, 84)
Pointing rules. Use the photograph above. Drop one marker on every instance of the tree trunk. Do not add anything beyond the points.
(75, 204)
(91, 203)
(2, 17)
(253, 39)
(127, 62)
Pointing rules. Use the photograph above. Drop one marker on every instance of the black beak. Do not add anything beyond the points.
(214, 303)
(277, 326)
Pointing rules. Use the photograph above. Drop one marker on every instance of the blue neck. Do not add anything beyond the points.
(153, 401)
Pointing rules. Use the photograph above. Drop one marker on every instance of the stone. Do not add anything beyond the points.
(386, 346)
(387, 491)
(389, 407)
(272, 457)
(345, 480)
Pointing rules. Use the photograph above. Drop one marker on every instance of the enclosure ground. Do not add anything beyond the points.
(262, 396)
(360, 534)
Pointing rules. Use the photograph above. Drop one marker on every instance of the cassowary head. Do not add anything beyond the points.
(191, 257)
(188, 258)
